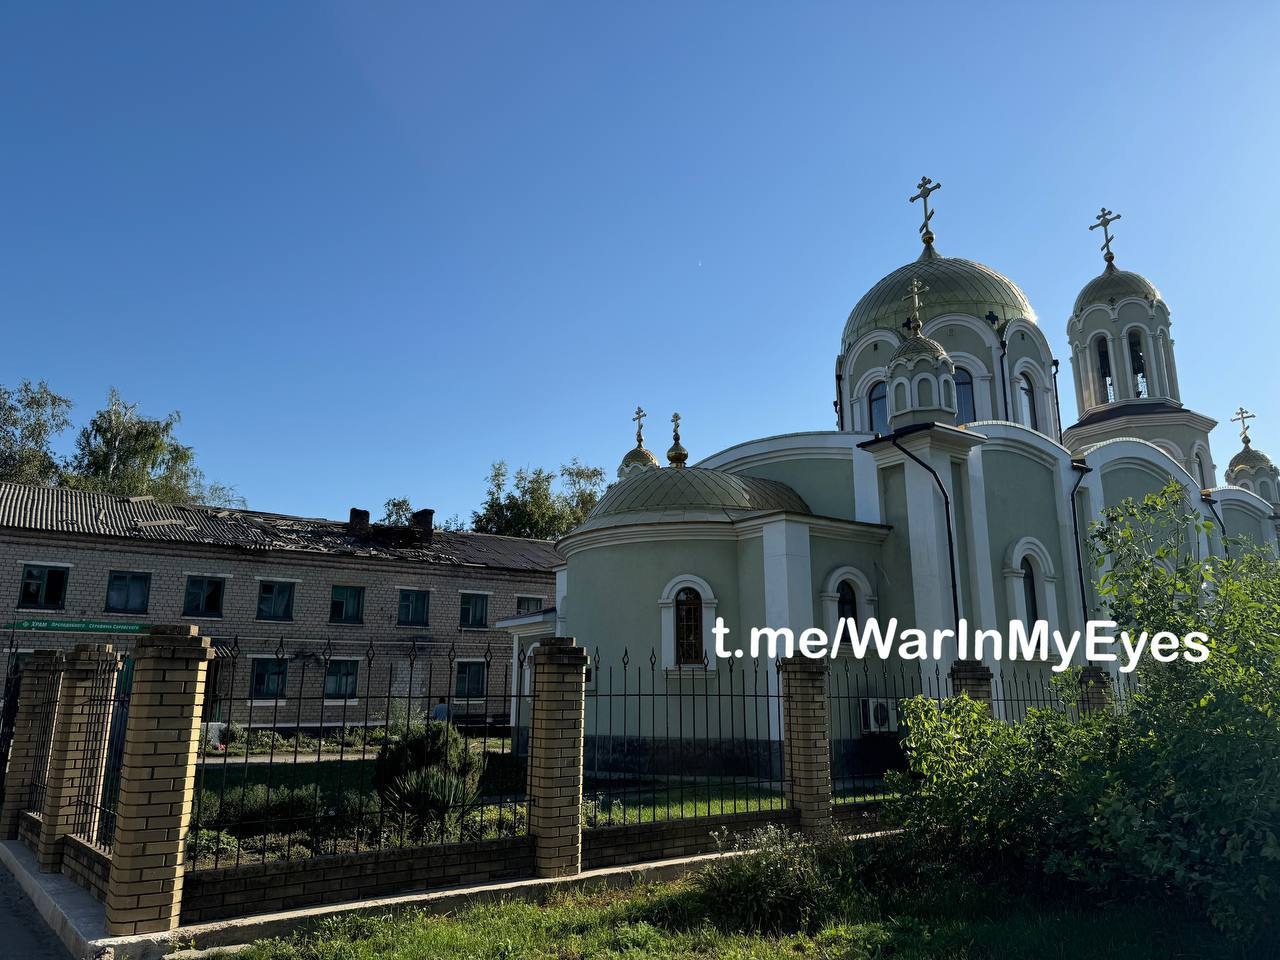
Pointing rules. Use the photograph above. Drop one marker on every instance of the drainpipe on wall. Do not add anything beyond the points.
(1222, 527)
(1057, 403)
(1075, 531)
(951, 540)
(1004, 378)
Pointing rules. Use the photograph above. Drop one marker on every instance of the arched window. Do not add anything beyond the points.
(846, 601)
(878, 408)
(1201, 474)
(1028, 388)
(688, 627)
(1264, 491)
(966, 412)
(1029, 592)
(1137, 364)
(1104, 372)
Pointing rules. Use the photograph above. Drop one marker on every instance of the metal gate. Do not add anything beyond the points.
(9, 707)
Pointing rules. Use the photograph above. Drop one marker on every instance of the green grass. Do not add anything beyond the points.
(617, 805)
(670, 921)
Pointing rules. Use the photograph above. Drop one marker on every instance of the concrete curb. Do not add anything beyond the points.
(71, 912)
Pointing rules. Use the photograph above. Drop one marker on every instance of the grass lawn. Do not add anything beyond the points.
(671, 921)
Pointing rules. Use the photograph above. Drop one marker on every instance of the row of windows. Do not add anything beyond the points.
(966, 409)
(45, 588)
(269, 679)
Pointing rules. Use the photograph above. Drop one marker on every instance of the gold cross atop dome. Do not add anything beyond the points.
(1105, 219)
(1243, 417)
(924, 188)
(914, 290)
(639, 421)
(676, 455)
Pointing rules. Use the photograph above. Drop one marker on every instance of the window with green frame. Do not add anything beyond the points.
(340, 679)
(128, 592)
(268, 678)
(414, 606)
(473, 610)
(43, 588)
(346, 605)
(275, 600)
(203, 597)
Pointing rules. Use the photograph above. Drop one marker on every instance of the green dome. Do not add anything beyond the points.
(689, 493)
(1250, 459)
(955, 286)
(919, 346)
(1113, 285)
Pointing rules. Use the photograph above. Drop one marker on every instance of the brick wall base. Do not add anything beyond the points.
(270, 887)
(88, 866)
(642, 842)
(29, 830)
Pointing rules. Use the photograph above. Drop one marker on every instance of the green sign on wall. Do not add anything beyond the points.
(78, 626)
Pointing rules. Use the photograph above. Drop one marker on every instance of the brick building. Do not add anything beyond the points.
(318, 622)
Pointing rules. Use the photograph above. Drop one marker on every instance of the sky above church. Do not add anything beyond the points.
(367, 249)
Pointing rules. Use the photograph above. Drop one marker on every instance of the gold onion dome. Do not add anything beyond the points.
(637, 458)
(955, 286)
(677, 456)
(1250, 459)
(916, 346)
(1112, 285)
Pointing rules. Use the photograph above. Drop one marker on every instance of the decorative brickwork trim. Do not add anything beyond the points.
(39, 677)
(157, 781)
(806, 740)
(78, 755)
(555, 756)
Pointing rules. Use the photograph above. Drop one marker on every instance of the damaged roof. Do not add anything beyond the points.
(60, 510)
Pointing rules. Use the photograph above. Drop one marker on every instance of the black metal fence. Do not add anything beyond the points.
(306, 752)
(44, 689)
(665, 743)
(9, 693)
(867, 725)
(107, 719)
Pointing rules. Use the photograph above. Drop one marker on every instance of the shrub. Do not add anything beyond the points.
(230, 733)
(775, 880)
(207, 845)
(432, 803)
(429, 745)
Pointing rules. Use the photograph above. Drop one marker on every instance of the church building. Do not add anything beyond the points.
(949, 488)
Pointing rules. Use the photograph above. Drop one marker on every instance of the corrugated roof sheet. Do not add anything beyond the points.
(60, 510)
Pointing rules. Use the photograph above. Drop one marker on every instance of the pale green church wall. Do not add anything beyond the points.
(827, 554)
(1020, 503)
(825, 484)
(896, 596)
(1124, 482)
(1023, 346)
(1241, 523)
(958, 338)
(964, 536)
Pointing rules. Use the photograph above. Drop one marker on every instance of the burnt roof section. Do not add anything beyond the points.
(60, 510)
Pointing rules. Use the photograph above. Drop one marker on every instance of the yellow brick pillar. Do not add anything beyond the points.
(555, 756)
(78, 753)
(157, 781)
(41, 680)
(806, 746)
(973, 678)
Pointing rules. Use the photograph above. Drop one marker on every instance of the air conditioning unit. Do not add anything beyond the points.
(879, 715)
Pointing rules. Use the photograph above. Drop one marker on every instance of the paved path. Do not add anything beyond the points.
(23, 935)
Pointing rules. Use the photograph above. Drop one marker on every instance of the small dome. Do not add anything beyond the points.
(1113, 285)
(690, 493)
(918, 346)
(1249, 459)
(955, 286)
(637, 458)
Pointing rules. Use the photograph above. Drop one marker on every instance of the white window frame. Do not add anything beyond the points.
(667, 614)
(1031, 549)
(830, 597)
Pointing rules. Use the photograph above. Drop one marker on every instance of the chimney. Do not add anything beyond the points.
(423, 520)
(359, 522)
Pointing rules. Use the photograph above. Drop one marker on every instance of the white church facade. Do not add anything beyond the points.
(948, 490)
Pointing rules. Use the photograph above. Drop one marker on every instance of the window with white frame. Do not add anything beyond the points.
(687, 608)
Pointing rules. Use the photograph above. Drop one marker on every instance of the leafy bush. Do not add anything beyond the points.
(1176, 792)
(776, 880)
(230, 733)
(433, 803)
(429, 745)
(206, 845)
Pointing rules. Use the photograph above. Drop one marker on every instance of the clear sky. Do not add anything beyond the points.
(366, 249)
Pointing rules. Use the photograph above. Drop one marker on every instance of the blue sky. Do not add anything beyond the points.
(366, 249)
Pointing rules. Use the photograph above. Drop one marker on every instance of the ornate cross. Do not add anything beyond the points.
(675, 426)
(926, 187)
(639, 420)
(1105, 219)
(1243, 417)
(914, 289)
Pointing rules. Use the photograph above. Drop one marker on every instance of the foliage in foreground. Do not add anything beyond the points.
(885, 908)
(1176, 793)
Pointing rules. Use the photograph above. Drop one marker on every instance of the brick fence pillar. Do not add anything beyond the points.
(41, 678)
(77, 756)
(555, 756)
(157, 781)
(972, 677)
(1095, 689)
(806, 746)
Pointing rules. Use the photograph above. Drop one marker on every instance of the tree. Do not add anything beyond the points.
(30, 417)
(531, 508)
(121, 451)
(397, 512)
